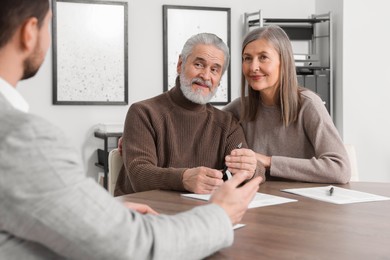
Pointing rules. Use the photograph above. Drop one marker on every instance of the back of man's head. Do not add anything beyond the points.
(13, 13)
(206, 39)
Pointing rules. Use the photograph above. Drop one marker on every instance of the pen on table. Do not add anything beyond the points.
(225, 176)
(331, 191)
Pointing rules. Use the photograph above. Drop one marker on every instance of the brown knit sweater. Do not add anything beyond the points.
(165, 135)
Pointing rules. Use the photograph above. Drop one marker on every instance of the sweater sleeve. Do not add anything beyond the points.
(140, 155)
(330, 163)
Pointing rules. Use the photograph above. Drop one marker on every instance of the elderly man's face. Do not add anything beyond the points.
(201, 74)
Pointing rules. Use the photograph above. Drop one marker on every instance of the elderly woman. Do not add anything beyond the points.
(287, 126)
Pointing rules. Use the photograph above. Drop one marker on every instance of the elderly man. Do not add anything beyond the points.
(177, 141)
(50, 209)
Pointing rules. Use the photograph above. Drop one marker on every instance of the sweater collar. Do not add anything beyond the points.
(178, 98)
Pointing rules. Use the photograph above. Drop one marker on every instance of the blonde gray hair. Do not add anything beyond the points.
(288, 97)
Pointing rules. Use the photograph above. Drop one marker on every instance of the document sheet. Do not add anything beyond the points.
(336, 195)
(260, 199)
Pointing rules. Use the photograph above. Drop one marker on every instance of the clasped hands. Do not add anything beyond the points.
(204, 180)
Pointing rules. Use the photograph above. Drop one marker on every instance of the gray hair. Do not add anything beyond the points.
(206, 39)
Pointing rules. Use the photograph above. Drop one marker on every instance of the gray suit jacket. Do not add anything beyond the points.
(50, 210)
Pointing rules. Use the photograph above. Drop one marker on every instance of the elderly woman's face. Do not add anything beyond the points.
(261, 67)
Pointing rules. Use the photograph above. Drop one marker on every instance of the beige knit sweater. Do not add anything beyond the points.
(309, 150)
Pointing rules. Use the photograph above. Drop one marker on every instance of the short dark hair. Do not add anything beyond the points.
(14, 13)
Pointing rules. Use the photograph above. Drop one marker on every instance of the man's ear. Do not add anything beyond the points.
(29, 34)
(179, 64)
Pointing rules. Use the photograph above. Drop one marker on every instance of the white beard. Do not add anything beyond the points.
(195, 95)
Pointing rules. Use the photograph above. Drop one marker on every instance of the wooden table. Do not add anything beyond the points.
(307, 229)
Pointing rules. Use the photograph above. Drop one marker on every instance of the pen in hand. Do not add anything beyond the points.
(226, 175)
(331, 191)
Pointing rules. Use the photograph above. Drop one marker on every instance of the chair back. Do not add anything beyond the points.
(115, 163)
(352, 158)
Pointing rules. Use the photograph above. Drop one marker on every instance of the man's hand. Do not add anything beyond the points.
(202, 180)
(141, 208)
(235, 200)
(242, 160)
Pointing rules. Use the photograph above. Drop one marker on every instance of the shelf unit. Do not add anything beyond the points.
(102, 154)
(312, 45)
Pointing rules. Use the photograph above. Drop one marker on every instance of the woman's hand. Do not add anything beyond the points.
(242, 160)
(265, 160)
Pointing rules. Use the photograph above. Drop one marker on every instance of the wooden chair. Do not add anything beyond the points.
(115, 163)
(352, 158)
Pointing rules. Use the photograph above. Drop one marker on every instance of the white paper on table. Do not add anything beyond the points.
(339, 195)
(237, 226)
(260, 199)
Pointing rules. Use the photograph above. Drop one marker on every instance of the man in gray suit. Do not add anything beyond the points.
(50, 210)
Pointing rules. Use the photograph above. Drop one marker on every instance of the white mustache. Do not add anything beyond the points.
(201, 81)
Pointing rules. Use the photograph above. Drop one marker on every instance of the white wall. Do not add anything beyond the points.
(145, 67)
(366, 85)
(362, 85)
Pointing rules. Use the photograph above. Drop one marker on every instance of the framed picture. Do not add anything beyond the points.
(90, 63)
(182, 22)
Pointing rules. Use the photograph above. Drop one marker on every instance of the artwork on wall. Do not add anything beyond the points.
(90, 64)
(179, 24)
